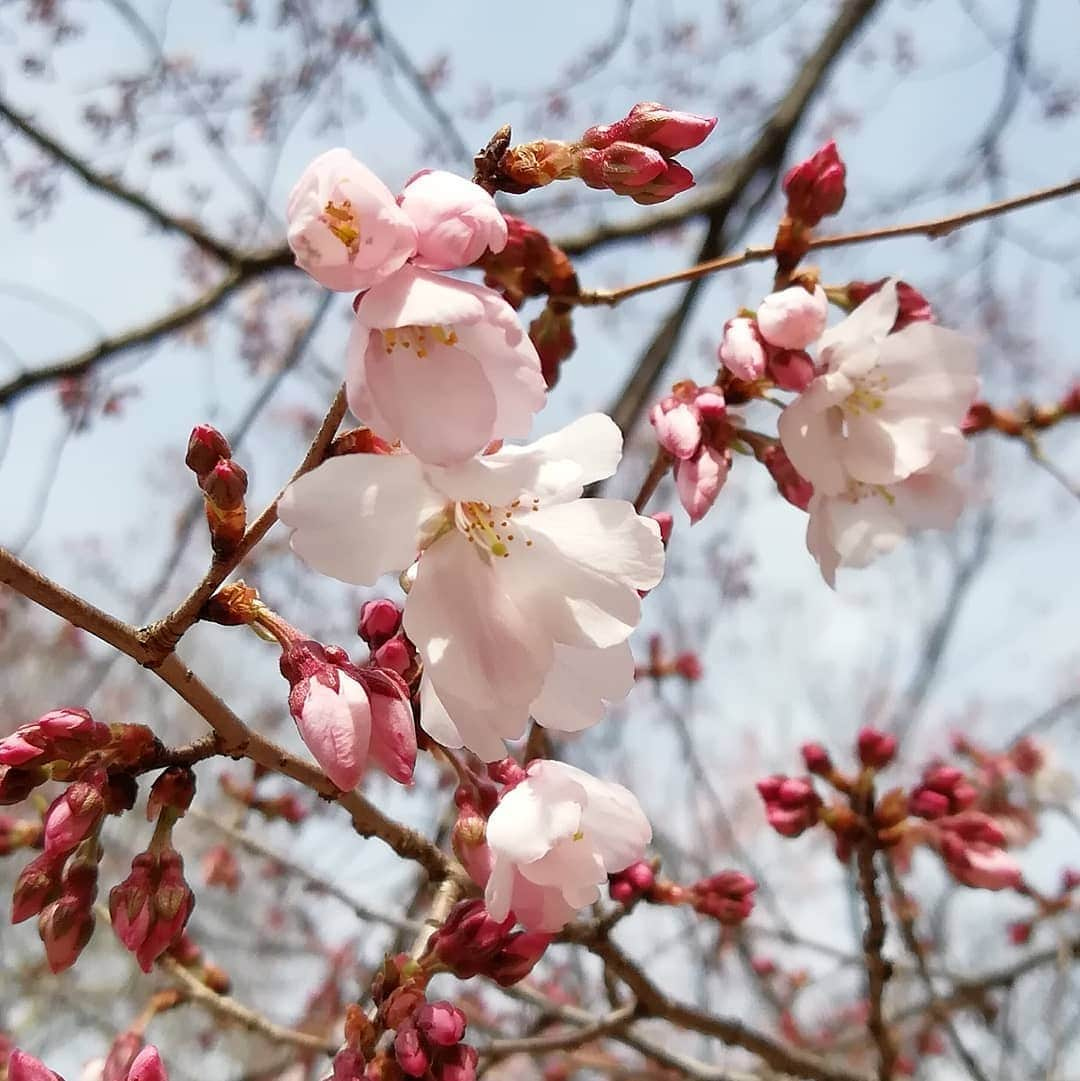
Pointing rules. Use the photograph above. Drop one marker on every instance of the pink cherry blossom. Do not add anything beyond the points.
(442, 365)
(742, 350)
(344, 226)
(524, 594)
(456, 220)
(867, 521)
(554, 839)
(680, 419)
(793, 318)
(885, 406)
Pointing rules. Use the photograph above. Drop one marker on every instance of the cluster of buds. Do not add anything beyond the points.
(913, 306)
(60, 886)
(428, 1036)
(943, 790)
(814, 189)
(224, 485)
(686, 664)
(470, 943)
(285, 807)
(151, 907)
(792, 804)
(380, 627)
(635, 156)
(144, 1065)
(692, 427)
(531, 265)
(1024, 420)
(60, 737)
(726, 896)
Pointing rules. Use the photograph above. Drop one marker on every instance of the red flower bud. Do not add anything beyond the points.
(791, 804)
(876, 749)
(175, 789)
(379, 621)
(206, 447)
(226, 485)
(652, 124)
(815, 187)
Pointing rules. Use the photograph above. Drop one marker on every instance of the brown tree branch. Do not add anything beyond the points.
(115, 189)
(160, 638)
(932, 228)
(237, 738)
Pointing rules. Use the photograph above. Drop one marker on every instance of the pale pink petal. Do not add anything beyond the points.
(871, 321)
(499, 890)
(581, 683)
(929, 501)
(470, 634)
(809, 437)
(613, 820)
(678, 430)
(483, 727)
(741, 351)
(793, 318)
(393, 734)
(358, 516)
(419, 298)
(529, 821)
(441, 406)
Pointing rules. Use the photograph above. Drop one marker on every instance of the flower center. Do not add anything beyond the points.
(868, 395)
(341, 220)
(418, 338)
(491, 528)
(857, 491)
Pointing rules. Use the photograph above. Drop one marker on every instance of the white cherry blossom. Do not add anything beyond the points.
(554, 838)
(524, 593)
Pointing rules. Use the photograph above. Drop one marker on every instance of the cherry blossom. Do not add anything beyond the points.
(344, 226)
(885, 406)
(456, 221)
(554, 838)
(866, 521)
(524, 594)
(442, 365)
(742, 350)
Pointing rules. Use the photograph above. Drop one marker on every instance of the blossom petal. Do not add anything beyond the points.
(336, 726)
(358, 516)
(871, 320)
(613, 820)
(472, 637)
(529, 820)
(419, 298)
(581, 683)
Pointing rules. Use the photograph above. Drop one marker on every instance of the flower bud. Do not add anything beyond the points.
(66, 924)
(379, 621)
(817, 759)
(1020, 932)
(793, 318)
(440, 1023)
(16, 783)
(174, 789)
(876, 749)
(795, 488)
(151, 907)
(791, 804)
(943, 790)
(790, 369)
(654, 125)
(742, 349)
(121, 1055)
(536, 164)
(75, 813)
(24, 1067)
(148, 1066)
(620, 166)
(666, 523)
(815, 187)
(459, 1064)
(66, 734)
(206, 447)
(552, 333)
(727, 896)
(631, 882)
(38, 884)
(226, 485)
(674, 180)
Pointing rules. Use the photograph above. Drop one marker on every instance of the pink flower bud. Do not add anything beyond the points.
(688, 665)
(678, 427)
(518, 957)
(876, 749)
(121, 1055)
(395, 655)
(456, 220)
(791, 804)
(790, 369)
(459, 1064)
(441, 1023)
(38, 884)
(621, 166)
(793, 318)
(815, 187)
(151, 907)
(24, 1067)
(75, 813)
(1070, 879)
(698, 480)
(226, 485)
(344, 226)
(409, 1050)
(654, 125)
(379, 620)
(943, 790)
(345, 713)
(174, 788)
(206, 447)
(742, 350)
(631, 882)
(66, 734)
(674, 180)
(148, 1066)
(65, 927)
(727, 896)
(1020, 932)
(795, 488)
(817, 759)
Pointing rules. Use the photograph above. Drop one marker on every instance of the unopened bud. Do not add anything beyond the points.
(815, 187)
(876, 749)
(206, 447)
(652, 124)
(174, 789)
(379, 621)
(226, 485)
